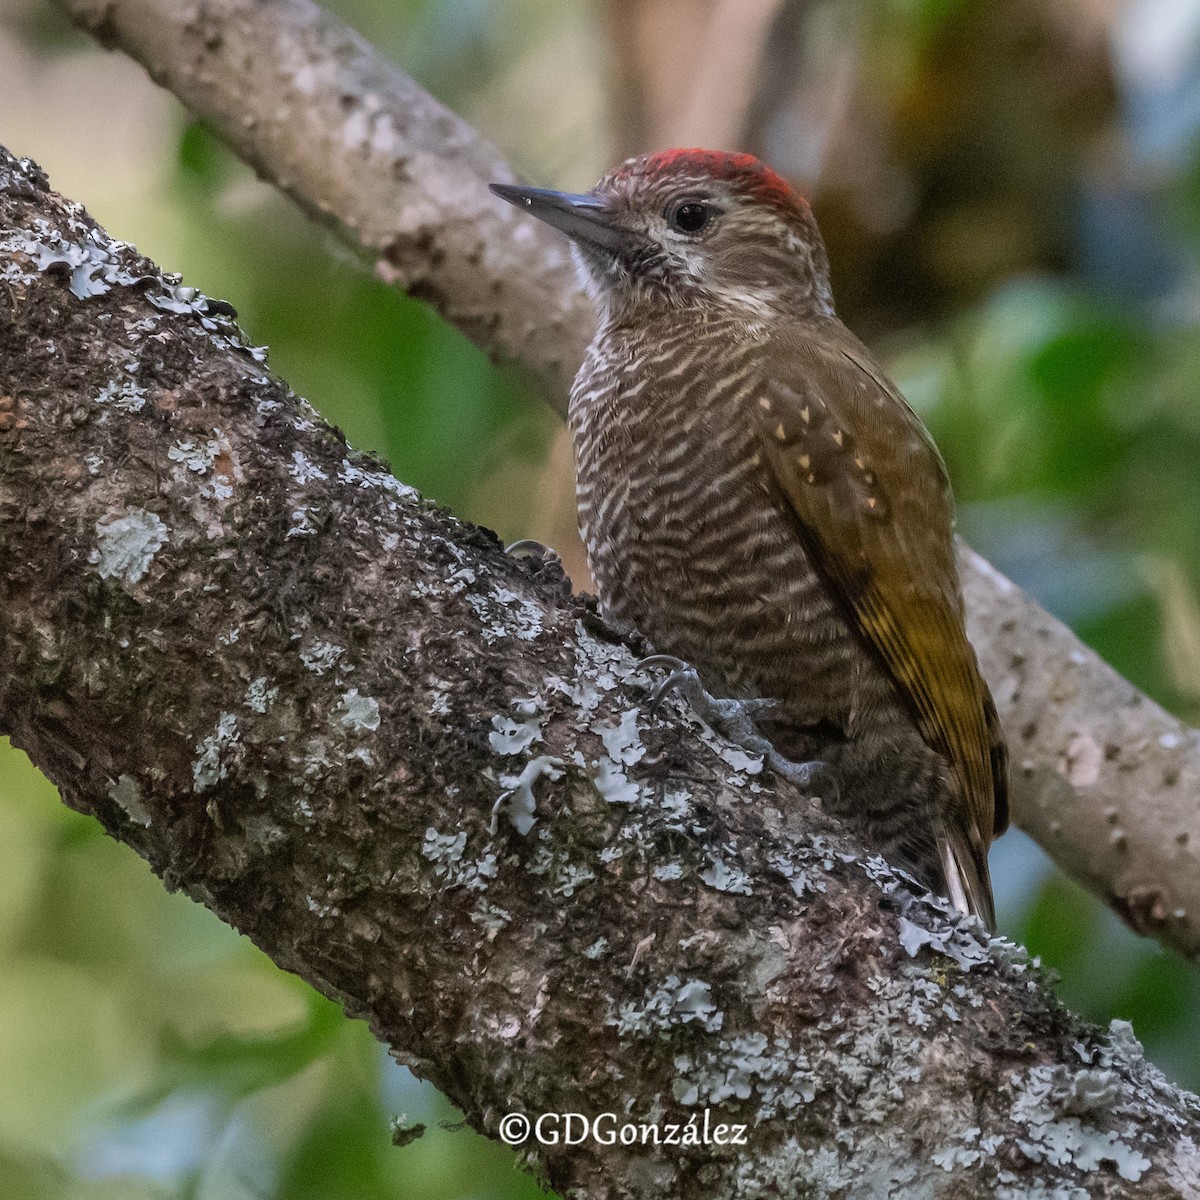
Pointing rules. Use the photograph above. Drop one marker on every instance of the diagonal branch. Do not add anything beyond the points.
(359, 146)
(1106, 780)
(424, 777)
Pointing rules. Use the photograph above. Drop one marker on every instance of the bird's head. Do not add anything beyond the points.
(691, 228)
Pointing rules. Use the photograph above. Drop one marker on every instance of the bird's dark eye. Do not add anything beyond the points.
(690, 217)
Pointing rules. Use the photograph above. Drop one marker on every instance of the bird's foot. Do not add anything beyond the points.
(542, 562)
(539, 555)
(800, 773)
(735, 719)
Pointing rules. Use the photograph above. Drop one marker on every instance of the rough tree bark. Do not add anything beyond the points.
(1105, 779)
(424, 777)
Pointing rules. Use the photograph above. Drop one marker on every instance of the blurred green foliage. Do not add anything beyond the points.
(1042, 318)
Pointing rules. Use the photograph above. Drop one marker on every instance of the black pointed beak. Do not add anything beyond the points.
(583, 218)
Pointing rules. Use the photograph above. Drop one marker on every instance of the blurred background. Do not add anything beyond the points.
(1011, 197)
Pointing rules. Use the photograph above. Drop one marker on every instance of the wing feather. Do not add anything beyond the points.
(872, 500)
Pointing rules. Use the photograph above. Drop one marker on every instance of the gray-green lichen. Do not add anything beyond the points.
(615, 785)
(565, 875)
(128, 795)
(215, 754)
(517, 802)
(303, 471)
(126, 545)
(1053, 1134)
(447, 853)
(94, 264)
(445, 850)
(259, 695)
(504, 613)
(673, 1003)
(320, 656)
(743, 1067)
(123, 394)
(358, 476)
(726, 877)
(1086, 1117)
(195, 456)
(622, 741)
(510, 736)
(931, 922)
(359, 714)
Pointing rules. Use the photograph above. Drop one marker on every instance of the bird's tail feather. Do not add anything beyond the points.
(968, 884)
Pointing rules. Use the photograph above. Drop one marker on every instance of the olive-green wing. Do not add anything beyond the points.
(872, 502)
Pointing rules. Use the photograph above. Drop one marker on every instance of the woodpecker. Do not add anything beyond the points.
(758, 500)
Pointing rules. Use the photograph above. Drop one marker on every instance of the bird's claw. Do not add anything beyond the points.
(733, 718)
(680, 678)
(800, 773)
(684, 681)
(529, 548)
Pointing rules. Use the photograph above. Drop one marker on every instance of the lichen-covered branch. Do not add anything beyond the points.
(423, 776)
(1105, 780)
